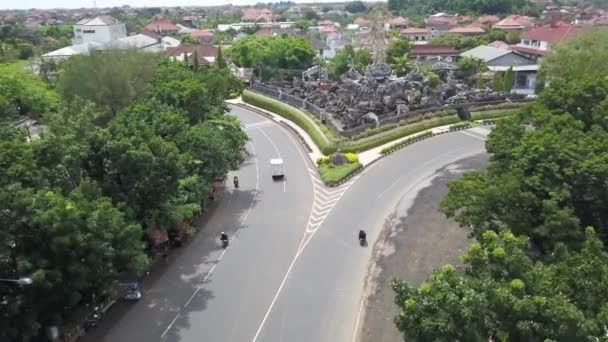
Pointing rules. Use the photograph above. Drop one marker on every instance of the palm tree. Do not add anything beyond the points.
(401, 65)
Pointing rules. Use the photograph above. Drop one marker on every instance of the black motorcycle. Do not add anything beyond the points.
(362, 238)
(236, 182)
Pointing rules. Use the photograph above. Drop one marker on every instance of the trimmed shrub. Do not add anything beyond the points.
(332, 174)
(352, 158)
(322, 160)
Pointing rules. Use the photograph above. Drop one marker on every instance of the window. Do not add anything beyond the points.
(78, 30)
(88, 31)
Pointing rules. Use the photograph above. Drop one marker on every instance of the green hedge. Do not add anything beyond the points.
(333, 174)
(291, 114)
(407, 130)
(407, 141)
(328, 147)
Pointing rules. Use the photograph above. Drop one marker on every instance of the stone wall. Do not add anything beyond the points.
(276, 93)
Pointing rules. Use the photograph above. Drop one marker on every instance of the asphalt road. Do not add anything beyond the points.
(321, 299)
(294, 270)
(210, 294)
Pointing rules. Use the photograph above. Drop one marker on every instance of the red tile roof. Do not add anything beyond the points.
(326, 22)
(361, 21)
(201, 34)
(397, 21)
(433, 49)
(514, 21)
(162, 24)
(439, 21)
(467, 30)
(414, 30)
(254, 14)
(552, 34)
(204, 50)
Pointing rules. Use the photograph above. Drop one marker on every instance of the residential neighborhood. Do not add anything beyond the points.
(526, 39)
(370, 171)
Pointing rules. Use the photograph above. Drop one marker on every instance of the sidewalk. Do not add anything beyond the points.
(365, 158)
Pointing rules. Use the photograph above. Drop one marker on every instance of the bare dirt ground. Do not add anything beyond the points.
(414, 242)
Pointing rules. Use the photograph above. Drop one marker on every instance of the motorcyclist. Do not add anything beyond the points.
(362, 235)
(223, 237)
(236, 181)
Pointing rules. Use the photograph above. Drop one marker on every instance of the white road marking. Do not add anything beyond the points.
(258, 124)
(473, 135)
(170, 325)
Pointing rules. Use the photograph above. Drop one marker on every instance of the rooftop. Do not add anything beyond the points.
(485, 53)
(514, 21)
(414, 30)
(104, 20)
(551, 33)
(467, 30)
(201, 33)
(428, 49)
(161, 25)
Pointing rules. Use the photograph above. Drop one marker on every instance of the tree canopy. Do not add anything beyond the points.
(110, 79)
(23, 94)
(538, 269)
(272, 53)
(80, 198)
(347, 56)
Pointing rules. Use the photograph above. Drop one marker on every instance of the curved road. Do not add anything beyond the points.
(294, 270)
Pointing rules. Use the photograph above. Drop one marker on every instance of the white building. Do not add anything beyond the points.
(103, 29)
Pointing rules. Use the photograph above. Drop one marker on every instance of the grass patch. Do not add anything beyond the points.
(404, 142)
(333, 174)
(460, 125)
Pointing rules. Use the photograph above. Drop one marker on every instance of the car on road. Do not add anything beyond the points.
(276, 165)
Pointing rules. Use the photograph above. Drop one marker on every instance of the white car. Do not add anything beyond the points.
(276, 166)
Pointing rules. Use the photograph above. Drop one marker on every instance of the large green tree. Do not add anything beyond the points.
(503, 295)
(110, 79)
(397, 49)
(270, 53)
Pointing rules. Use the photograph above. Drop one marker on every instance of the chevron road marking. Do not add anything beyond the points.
(258, 124)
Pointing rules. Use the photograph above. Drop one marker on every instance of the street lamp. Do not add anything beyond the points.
(20, 281)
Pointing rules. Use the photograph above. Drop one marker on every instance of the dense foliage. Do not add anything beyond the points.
(422, 7)
(78, 201)
(269, 53)
(348, 57)
(539, 269)
(461, 43)
(23, 94)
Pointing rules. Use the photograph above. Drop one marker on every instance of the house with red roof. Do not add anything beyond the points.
(416, 35)
(434, 52)
(203, 36)
(258, 15)
(161, 25)
(326, 23)
(514, 22)
(207, 53)
(362, 22)
(537, 42)
(467, 30)
(438, 25)
(396, 23)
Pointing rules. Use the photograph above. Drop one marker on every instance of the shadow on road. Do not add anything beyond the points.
(172, 282)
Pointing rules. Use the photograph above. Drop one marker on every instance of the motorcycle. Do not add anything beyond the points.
(224, 243)
(362, 238)
(236, 182)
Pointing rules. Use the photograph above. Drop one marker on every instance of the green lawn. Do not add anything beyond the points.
(332, 174)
